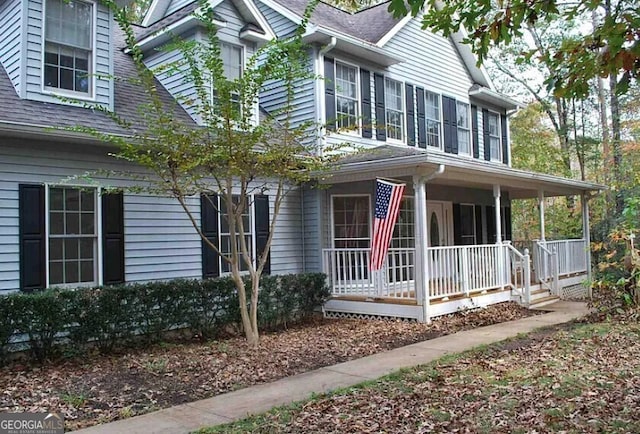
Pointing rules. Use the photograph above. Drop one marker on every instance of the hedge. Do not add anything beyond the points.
(111, 317)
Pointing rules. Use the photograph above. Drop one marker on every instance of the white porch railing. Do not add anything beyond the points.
(348, 273)
(572, 255)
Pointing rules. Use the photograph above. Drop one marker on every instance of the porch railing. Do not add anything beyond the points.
(545, 262)
(348, 273)
(572, 255)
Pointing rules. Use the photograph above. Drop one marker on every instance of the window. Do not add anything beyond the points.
(464, 128)
(225, 235)
(232, 66)
(494, 137)
(351, 221)
(68, 45)
(468, 224)
(433, 119)
(346, 96)
(394, 109)
(73, 238)
(404, 230)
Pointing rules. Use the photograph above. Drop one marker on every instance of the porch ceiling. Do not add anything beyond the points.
(400, 162)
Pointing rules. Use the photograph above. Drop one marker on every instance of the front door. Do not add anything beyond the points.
(439, 223)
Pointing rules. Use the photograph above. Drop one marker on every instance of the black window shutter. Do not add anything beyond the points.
(450, 121)
(505, 142)
(32, 236)
(478, 212)
(457, 225)
(474, 132)
(508, 230)
(365, 91)
(491, 224)
(112, 238)
(209, 215)
(261, 203)
(381, 122)
(422, 126)
(330, 93)
(411, 119)
(485, 135)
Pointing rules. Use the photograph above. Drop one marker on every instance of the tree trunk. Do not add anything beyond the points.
(615, 144)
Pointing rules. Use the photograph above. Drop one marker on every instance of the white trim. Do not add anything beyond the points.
(46, 234)
(469, 128)
(90, 96)
(282, 10)
(499, 125)
(188, 20)
(98, 208)
(440, 121)
(391, 33)
(402, 141)
(253, 10)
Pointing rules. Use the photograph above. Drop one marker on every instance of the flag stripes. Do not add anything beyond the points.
(387, 208)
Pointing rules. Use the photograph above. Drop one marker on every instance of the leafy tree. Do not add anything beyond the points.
(229, 154)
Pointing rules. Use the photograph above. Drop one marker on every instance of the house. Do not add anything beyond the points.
(429, 116)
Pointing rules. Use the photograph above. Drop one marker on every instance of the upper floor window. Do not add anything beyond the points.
(464, 128)
(68, 45)
(232, 66)
(433, 119)
(346, 96)
(394, 109)
(494, 136)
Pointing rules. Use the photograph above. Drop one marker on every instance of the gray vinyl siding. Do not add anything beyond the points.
(160, 242)
(176, 83)
(281, 26)
(103, 90)
(175, 5)
(11, 39)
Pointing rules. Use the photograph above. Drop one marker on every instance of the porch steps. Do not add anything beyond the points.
(540, 302)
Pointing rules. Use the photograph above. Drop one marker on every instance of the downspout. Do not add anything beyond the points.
(304, 236)
(320, 107)
(421, 251)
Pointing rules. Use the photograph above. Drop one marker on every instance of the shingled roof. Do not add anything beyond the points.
(369, 24)
(127, 98)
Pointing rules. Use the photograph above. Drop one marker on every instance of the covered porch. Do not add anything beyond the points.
(451, 248)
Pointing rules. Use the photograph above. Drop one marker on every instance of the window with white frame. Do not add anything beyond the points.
(225, 234)
(68, 50)
(393, 96)
(433, 119)
(73, 236)
(494, 137)
(351, 221)
(464, 128)
(346, 96)
(468, 224)
(404, 230)
(232, 66)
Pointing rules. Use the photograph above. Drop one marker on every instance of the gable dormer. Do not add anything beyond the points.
(58, 51)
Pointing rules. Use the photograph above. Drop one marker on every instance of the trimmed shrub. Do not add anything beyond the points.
(112, 316)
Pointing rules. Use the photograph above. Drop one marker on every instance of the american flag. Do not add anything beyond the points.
(388, 197)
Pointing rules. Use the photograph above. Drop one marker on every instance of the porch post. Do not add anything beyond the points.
(421, 273)
(541, 210)
(496, 197)
(586, 233)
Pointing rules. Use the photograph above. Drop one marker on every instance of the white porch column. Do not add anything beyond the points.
(496, 198)
(421, 272)
(586, 233)
(541, 210)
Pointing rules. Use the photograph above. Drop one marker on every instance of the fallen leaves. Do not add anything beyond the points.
(100, 389)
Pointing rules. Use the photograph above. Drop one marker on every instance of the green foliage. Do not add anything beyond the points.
(610, 48)
(138, 314)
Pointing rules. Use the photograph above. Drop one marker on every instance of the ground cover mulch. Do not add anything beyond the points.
(575, 378)
(96, 389)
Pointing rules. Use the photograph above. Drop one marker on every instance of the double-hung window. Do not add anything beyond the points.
(494, 136)
(73, 237)
(433, 119)
(346, 96)
(232, 66)
(464, 128)
(68, 49)
(394, 109)
(225, 234)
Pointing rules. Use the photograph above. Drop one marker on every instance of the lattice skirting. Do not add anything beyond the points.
(574, 292)
(350, 315)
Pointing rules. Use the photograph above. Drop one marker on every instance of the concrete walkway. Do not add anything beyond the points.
(258, 399)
